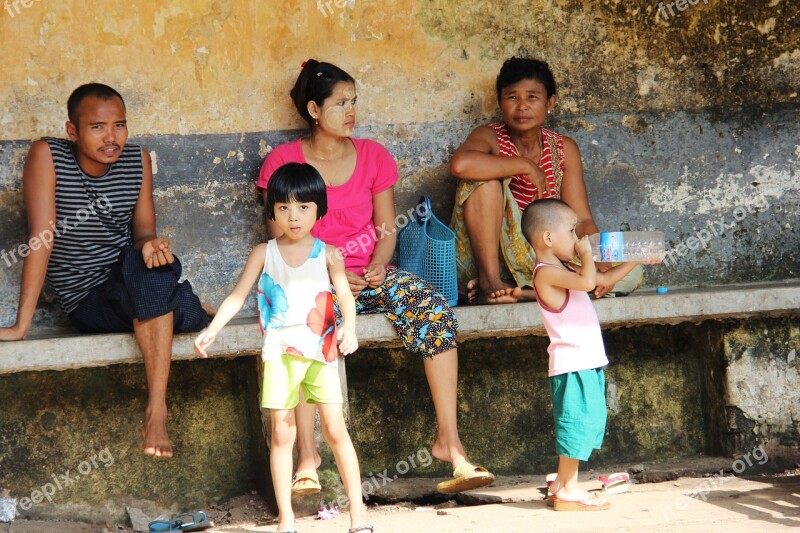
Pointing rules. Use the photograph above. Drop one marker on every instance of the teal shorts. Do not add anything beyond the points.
(579, 411)
(285, 376)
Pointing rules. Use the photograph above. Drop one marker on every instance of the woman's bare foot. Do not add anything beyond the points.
(155, 438)
(497, 293)
(507, 295)
(455, 455)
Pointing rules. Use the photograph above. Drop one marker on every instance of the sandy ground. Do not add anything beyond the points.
(702, 505)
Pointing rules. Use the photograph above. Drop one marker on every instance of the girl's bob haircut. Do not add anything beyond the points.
(296, 182)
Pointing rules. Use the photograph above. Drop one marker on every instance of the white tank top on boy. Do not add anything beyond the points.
(295, 307)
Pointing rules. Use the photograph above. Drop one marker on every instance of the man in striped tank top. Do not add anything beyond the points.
(93, 238)
(504, 166)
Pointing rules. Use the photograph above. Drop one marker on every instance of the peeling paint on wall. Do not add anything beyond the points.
(218, 66)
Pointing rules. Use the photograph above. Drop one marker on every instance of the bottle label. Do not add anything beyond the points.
(612, 246)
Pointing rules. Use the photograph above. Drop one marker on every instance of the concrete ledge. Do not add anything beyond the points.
(59, 350)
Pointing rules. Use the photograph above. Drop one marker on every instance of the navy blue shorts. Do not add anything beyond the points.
(135, 292)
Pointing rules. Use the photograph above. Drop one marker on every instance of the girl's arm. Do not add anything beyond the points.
(346, 334)
(234, 302)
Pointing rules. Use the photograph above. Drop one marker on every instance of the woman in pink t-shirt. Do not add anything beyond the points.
(360, 175)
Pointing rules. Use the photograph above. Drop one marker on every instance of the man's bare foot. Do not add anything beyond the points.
(155, 438)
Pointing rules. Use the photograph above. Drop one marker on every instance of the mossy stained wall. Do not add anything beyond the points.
(79, 432)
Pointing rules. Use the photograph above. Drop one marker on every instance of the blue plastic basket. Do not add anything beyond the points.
(427, 248)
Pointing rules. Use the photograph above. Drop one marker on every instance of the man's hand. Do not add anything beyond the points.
(157, 253)
(13, 333)
(357, 283)
(374, 275)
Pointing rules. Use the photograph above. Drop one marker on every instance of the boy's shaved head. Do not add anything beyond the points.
(542, 215)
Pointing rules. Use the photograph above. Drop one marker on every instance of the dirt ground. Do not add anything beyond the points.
(686, 504)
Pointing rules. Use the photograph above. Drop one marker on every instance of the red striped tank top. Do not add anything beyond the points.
(551, 163)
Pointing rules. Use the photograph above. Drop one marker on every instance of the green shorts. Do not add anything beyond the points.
(284, 376)
(579, 411)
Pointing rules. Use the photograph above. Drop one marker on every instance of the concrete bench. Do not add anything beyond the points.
(60, 350)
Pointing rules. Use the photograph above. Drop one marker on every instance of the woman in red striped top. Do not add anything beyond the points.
(504, 166)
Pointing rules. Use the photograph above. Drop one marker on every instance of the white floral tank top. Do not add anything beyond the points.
(296, 307)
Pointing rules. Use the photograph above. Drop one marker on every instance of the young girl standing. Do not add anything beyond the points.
(296, 308)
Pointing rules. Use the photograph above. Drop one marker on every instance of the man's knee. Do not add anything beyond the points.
(189, 313)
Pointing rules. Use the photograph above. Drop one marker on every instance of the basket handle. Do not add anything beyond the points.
(424, 210)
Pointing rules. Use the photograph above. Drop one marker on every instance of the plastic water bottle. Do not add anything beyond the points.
(620, 246)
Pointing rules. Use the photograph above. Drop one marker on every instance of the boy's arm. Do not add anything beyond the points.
(39, 190)
(347, 303)
(582, 279)
(235, 300)
(610, 277)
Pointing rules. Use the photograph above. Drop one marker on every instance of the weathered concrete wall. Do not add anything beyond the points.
(687, 123)
(78, 431)
(762, 388)
(659, 405)
(690, 128)
(218, 66)
(727, 203)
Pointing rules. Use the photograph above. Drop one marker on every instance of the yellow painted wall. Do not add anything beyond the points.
(221, 66)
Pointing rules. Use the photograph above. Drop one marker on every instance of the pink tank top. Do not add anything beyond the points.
(574, 330)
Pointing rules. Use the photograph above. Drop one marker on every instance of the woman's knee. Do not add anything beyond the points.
(488, 196)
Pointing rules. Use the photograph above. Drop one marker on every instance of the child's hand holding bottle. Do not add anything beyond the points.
(583, 249)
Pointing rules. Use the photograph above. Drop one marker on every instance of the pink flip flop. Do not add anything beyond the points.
(616, 483)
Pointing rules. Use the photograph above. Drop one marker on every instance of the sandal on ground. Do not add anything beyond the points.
(466, 476)
(592, 503)
(182, 522)
(363, 527)
(550, 479)
(616, 483)
(305, 482)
